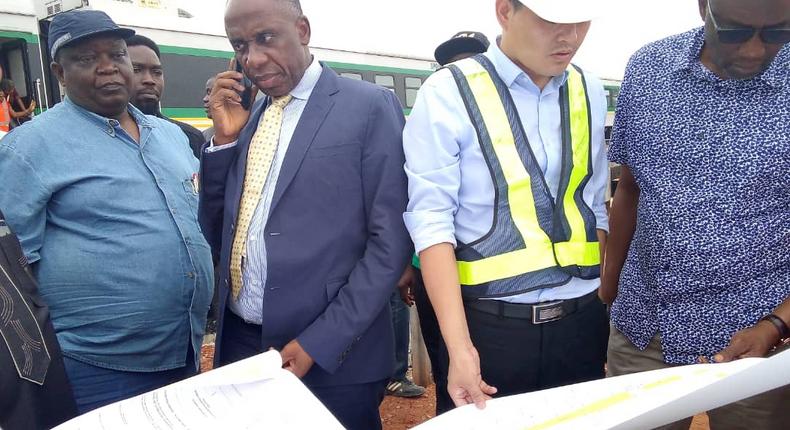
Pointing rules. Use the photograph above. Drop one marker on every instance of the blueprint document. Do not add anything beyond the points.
(640, 400)
(255, 393)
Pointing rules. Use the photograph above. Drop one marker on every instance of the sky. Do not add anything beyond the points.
(415, 27)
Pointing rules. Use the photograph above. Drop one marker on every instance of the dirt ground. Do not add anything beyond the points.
(401, 414)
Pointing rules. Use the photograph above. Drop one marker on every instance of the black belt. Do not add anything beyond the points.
(539, 313)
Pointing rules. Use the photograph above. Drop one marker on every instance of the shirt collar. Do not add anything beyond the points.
(775, 75)
(110, 123)
(310, 78)
(510, 73)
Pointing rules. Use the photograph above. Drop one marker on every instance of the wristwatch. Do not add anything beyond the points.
(780, 324)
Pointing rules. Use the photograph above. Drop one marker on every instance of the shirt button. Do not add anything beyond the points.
(173, 211)
(191, 275)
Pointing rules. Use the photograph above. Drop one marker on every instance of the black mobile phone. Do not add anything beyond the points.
(246, 95)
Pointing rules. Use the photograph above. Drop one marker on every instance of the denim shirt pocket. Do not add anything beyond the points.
(191, 195)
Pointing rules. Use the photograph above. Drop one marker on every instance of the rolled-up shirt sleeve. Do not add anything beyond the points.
(430, 143)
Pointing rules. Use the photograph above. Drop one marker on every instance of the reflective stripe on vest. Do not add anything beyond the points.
(582, 249)
(551, 241)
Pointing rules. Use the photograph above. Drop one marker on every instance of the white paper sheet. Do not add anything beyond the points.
(250, 394)
(641, 400)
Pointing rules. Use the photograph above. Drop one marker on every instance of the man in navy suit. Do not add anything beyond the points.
(302, 200)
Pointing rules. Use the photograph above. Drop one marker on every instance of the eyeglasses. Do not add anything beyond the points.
(772, 35)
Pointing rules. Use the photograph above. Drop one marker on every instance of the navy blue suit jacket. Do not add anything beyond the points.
(335, 239)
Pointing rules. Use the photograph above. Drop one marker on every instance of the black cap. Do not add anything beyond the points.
(474, 42)
(74, 25)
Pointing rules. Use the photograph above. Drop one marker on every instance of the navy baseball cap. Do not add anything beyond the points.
(465, 41)
(77, 24)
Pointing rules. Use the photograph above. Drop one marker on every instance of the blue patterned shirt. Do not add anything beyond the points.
(111, 226)
(711, 251)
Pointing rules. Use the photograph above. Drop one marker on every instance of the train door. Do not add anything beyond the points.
(50, 82)
(15, 63)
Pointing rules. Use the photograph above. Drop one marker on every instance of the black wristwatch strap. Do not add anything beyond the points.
(781, 326)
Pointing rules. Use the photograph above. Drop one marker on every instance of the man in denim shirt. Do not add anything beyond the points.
(104, 200)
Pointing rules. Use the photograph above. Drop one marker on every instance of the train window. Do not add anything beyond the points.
(387, 81)
(413, 82)
(611, 96)
(356, 76)
(411, 96)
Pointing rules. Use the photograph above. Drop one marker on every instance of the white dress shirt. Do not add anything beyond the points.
(451, 192)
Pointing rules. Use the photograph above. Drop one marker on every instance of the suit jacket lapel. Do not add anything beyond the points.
(314, 114)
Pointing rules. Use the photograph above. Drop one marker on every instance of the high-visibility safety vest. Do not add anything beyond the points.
(536, 241)
(5, 116)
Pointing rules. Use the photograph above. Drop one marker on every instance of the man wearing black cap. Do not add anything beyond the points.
(104, 200)
(463, 45)
(36, 393)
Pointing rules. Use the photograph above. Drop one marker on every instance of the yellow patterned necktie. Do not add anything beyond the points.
(263, 147)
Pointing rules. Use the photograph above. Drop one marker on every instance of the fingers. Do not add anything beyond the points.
(736, 349)
(475, 394)
(487, 389)
(221, 96)
(459, 396)
(228, 80)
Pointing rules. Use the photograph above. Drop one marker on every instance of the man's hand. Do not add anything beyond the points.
(406, 285)
(225, 105)
(607, 292)
(464, 382)
(754, 341)
(295, 359)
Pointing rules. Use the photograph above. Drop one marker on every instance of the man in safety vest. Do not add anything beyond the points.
(507, 177)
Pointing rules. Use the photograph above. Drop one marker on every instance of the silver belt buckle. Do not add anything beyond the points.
(547, 312)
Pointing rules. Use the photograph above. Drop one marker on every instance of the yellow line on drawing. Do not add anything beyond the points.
(586, 410)
(660, 382)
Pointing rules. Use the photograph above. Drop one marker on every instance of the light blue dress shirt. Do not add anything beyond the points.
(111, 228)
(451, 192)
(249, 305)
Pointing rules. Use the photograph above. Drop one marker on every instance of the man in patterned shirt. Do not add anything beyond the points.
(700, 233)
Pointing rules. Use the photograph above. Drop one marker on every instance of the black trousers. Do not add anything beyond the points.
(356, 406)
(517, 356)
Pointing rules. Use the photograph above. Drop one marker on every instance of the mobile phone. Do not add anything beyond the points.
(246, 95)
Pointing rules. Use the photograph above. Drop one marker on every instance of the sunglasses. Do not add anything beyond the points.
(771, 35)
